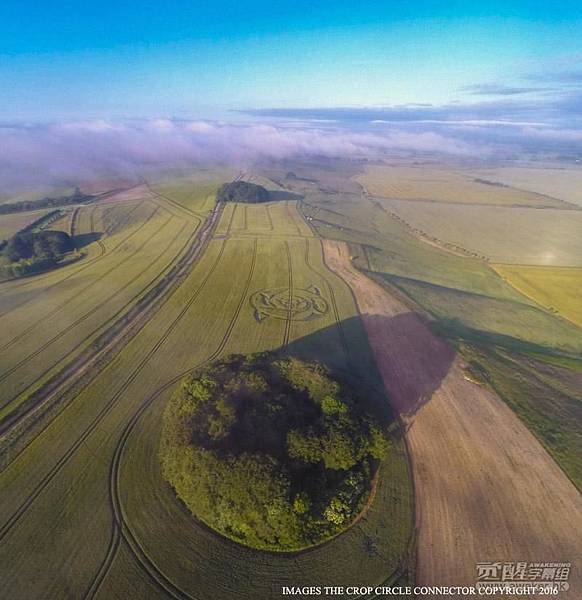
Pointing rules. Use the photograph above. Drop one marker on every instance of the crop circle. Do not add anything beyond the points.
(294, 304)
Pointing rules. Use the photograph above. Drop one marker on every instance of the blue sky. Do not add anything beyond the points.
(69, 60)
(120, 87)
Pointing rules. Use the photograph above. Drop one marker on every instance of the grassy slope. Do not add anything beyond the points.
(470, 301)
(547, 398)
(209, 314)
(449, 287)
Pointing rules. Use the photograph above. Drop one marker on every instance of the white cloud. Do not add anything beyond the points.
(78, 150)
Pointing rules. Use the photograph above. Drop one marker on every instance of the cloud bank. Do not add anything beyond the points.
(75, 151)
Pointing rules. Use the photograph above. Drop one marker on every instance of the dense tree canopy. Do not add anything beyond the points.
(31, 252)
(270, 452)
(242, 191)
(41, 244)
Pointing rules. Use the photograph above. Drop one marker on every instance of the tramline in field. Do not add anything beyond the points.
(113, 424)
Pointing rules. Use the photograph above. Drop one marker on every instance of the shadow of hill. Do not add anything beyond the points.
(277, 195)
(412, 360)
(397, 363)
(84, 239)
(458, 332)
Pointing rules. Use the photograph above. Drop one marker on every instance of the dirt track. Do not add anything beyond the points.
(486, 490)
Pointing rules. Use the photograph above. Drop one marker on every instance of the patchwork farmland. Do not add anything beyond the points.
(448, 186)
(564, 183)
(136, 534)
(421, 303)
(500, 234)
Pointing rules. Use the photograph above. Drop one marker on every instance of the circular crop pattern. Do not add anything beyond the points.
(295, 304)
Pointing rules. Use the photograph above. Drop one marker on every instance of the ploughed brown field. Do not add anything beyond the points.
(486, 490)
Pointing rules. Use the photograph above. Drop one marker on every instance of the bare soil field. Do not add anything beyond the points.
(486, 490)
(447, 185)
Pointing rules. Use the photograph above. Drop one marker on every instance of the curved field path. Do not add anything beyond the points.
(486, 490)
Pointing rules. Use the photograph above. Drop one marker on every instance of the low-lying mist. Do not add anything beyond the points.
(66, 153)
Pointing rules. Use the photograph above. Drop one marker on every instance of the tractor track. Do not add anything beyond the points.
(292, 218)
(63, 305)
(74, 225)
(124, 220)
(86, 265)
(269, 217)
(229, 229)
(45, 481)
(92, 219)
(70, 376)
(121, 529)
(87, 315)
(173, 202)
(333, 302)
(288, 321)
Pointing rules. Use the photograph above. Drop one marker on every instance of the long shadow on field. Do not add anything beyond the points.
(284, 195)
(398, 357)
(84, 239)
(413, 361)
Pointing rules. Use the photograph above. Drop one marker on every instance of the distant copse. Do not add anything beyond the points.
(242, 191)
(77, 197)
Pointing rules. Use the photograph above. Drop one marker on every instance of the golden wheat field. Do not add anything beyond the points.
(447, 185)
(558, 289)
(501, 234)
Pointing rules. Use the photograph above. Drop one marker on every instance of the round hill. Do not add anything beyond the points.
(242, 191)
(271, 452)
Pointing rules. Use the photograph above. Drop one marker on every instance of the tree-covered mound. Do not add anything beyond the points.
(242, 191)
(270, 452)
(41, 244)
(32, 252)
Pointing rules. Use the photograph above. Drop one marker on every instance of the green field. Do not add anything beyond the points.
(526, 352)
(447, 185)
(13, 223)
(462, 293)
(86, 480)
(89, 484)
(48, 319)
(563, 182)
(547, 397)
(193, 191)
